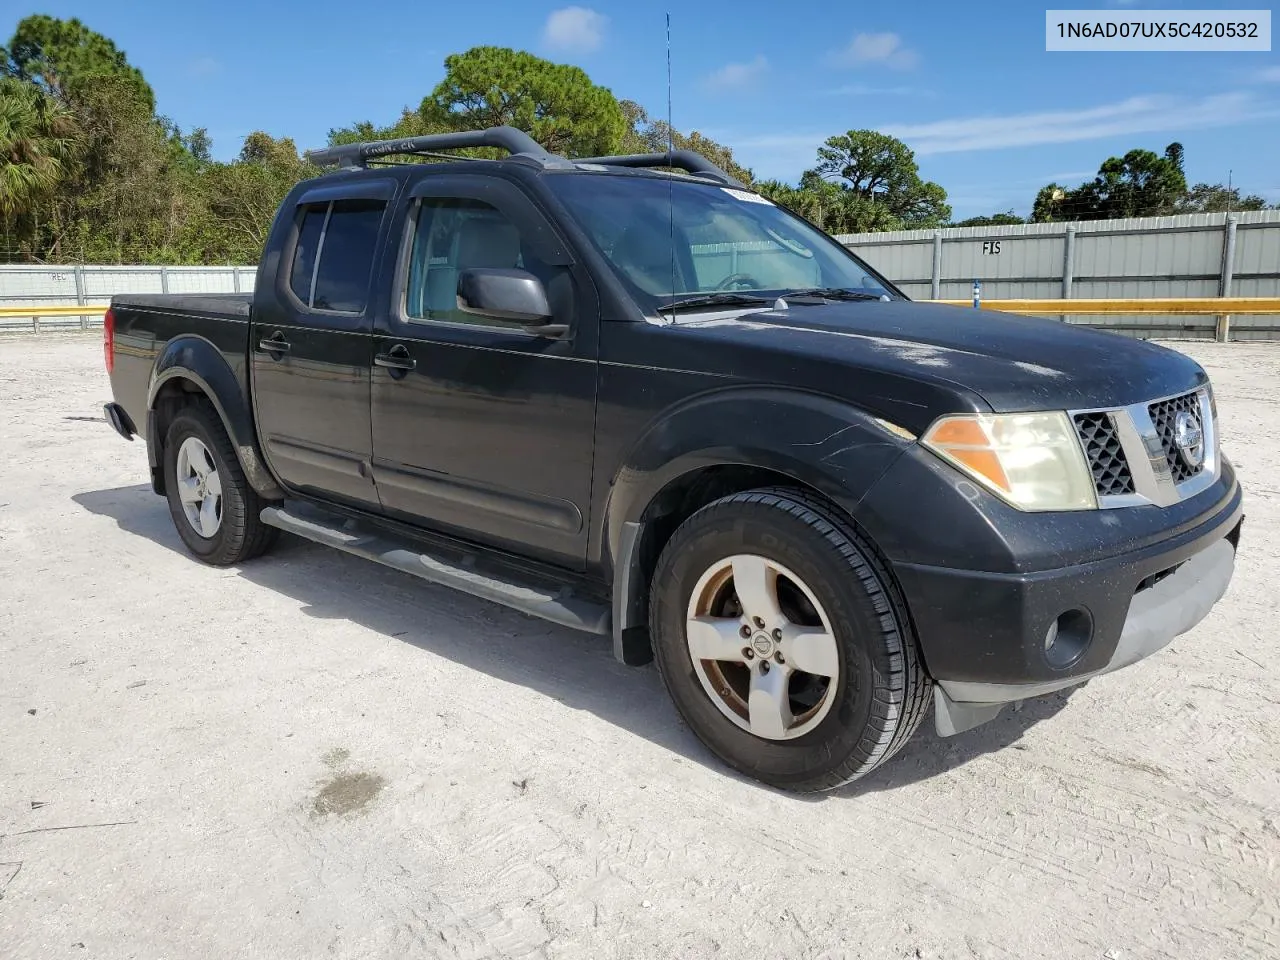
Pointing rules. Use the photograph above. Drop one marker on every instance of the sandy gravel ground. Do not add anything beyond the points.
(313, 756)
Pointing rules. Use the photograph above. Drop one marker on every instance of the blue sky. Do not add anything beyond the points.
(969, 86)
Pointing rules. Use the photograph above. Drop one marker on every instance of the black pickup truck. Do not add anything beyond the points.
(632, 396)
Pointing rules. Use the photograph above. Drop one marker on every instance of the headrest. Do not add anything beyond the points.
(488, 242)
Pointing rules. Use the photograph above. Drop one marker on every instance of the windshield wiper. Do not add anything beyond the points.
(715, 300)
(831, 293)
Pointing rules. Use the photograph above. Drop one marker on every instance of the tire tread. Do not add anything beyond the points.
(892, 721)
(246, 536)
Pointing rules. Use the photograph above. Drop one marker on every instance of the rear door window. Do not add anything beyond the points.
(304, 254)
(333, 258)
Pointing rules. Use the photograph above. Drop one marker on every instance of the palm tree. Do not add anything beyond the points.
(37, 137)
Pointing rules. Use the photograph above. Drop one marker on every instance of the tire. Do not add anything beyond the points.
(197, 440)
(807, 731)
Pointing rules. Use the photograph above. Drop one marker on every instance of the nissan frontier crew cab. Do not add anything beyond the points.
(634, 397)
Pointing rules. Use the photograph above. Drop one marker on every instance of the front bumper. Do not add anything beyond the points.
(1155, 617)
(1136, 577)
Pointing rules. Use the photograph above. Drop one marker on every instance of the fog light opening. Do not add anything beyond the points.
(1067, 638)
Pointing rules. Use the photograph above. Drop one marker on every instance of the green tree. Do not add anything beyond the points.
(198, 145)
(636, 136)
(798, 201)
(1139, 184)
(410, 124)
(1009, 218)
(830, 207)
(37, 139)
(62, 55)
(127, 200)
(89, 173)
(554, 103)
(1049, 204)
(882, 171)
(1217, 198)
(241, 198)
(647, 135)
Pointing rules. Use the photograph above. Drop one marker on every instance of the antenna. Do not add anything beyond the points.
(671, 203)
(670, 141)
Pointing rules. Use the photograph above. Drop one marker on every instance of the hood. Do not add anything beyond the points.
(1010, 362)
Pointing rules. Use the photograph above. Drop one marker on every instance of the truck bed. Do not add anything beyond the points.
(229, 306)
(146, 324)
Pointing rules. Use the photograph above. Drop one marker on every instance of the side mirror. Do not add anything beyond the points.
(504, 294)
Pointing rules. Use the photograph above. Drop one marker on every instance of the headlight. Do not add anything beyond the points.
(1032, 460)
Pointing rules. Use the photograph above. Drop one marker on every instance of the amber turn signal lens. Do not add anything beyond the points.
(1033, 461)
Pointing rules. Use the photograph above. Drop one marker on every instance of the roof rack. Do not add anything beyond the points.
(517, 143)
(357, 155)
(686, 160)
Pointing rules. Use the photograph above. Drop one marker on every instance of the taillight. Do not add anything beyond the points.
(109, 339)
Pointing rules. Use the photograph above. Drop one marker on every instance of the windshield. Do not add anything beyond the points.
(674, 240)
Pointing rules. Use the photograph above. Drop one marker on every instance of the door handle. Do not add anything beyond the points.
(397, 360)
(276, 345)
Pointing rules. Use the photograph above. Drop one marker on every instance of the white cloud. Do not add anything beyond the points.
(736, 76)
(885, 49)
(1268, 75)
(575, 29)
(1149, 114)
(784, 153)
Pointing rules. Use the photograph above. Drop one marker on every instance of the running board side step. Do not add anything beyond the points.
(546, 603)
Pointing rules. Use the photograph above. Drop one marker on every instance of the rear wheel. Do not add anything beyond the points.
(782, 643)
(213, 507)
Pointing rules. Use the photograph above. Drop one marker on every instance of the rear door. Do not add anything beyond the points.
(485, 428)
(312, 344)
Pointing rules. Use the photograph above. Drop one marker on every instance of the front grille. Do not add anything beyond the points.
(1107, 463)
(1164, 416)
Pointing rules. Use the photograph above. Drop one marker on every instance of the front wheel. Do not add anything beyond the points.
(781, 641)
(216, 512)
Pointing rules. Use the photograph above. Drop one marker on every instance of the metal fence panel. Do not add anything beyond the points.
(910, 261)
(916, 291)
(1000, 289)
(187, 280)
(37, 285)
(1257, 251)
(100, 283)
(1181, 256)
(1257, 254)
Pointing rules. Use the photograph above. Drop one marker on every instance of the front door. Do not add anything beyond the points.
(311, 347)
(480, 426)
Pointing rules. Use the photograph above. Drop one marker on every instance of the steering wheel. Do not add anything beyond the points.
(741, 281)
